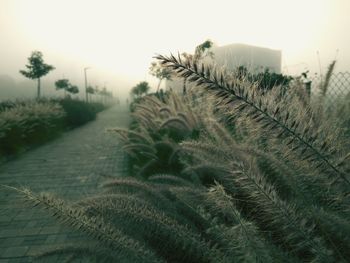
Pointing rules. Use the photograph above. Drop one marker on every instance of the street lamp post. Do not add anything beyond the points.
(86, 93)
(105, 92)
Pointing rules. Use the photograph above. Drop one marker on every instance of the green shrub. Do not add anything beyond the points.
(29, 124)
(79, 112)
(25, 123)
(266, 80)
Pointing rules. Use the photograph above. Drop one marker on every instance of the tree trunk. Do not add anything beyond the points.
(184, 87)
(38, 95)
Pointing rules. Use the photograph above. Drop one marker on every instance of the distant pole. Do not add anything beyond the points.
(105, 92)
(86, 93)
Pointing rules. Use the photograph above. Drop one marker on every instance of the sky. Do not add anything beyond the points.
(117, 39)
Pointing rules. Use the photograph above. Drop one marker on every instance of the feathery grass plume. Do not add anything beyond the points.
(95, 227)
(166, 110)
(141, 220)
(151, 123)
(187, 200)
(205, 173)
(297, 89)
(219, 153)
(290, 185)
(166, 162)
(150, 155)
(131, 135)
(275, 218)
(295, 230)
(181, 125)
(173, 119)
(132, 186)
(325, 82)
(272, 117)
(213, 150)
(158, 123)
(169, 180)
(242, 237)
(219, 132)
(217, 146)
(336, 228)
(86, 253)
(210, 159)
(161, 115)
(292, 182)
(140, 150)
(140, 189)
(133, 229)
(102, 204)
(139, 145)
(320, 104)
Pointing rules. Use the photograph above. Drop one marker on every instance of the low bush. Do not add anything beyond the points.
(8, 104)
(29, 124)
(25, 124)
(79, 112)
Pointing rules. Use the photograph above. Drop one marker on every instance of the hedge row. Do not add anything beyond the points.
(26, 124)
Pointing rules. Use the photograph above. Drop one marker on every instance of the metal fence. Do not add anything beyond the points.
(338, 88)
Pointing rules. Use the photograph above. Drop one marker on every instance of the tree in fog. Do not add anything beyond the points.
(201, 51)
(73, 89)
(62, 84)
(36, 68)
(140, 89)
(65, 85)
(159, 72)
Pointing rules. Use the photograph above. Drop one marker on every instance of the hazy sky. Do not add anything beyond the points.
(117, 39)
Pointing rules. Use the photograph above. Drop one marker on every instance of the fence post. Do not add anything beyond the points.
(307, 85)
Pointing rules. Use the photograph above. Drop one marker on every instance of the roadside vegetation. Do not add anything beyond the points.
(25, 124)
(29, 123)
(228, 171)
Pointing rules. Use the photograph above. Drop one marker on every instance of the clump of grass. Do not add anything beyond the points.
(159, 125)
(290, 141)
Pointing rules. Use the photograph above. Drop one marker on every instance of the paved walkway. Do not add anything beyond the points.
(72, 166)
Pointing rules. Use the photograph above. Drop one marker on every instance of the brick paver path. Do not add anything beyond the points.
(72, 166)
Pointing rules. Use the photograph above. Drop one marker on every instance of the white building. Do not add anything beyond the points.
(255, 59)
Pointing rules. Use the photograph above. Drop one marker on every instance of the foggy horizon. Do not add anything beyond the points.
(118, 39)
